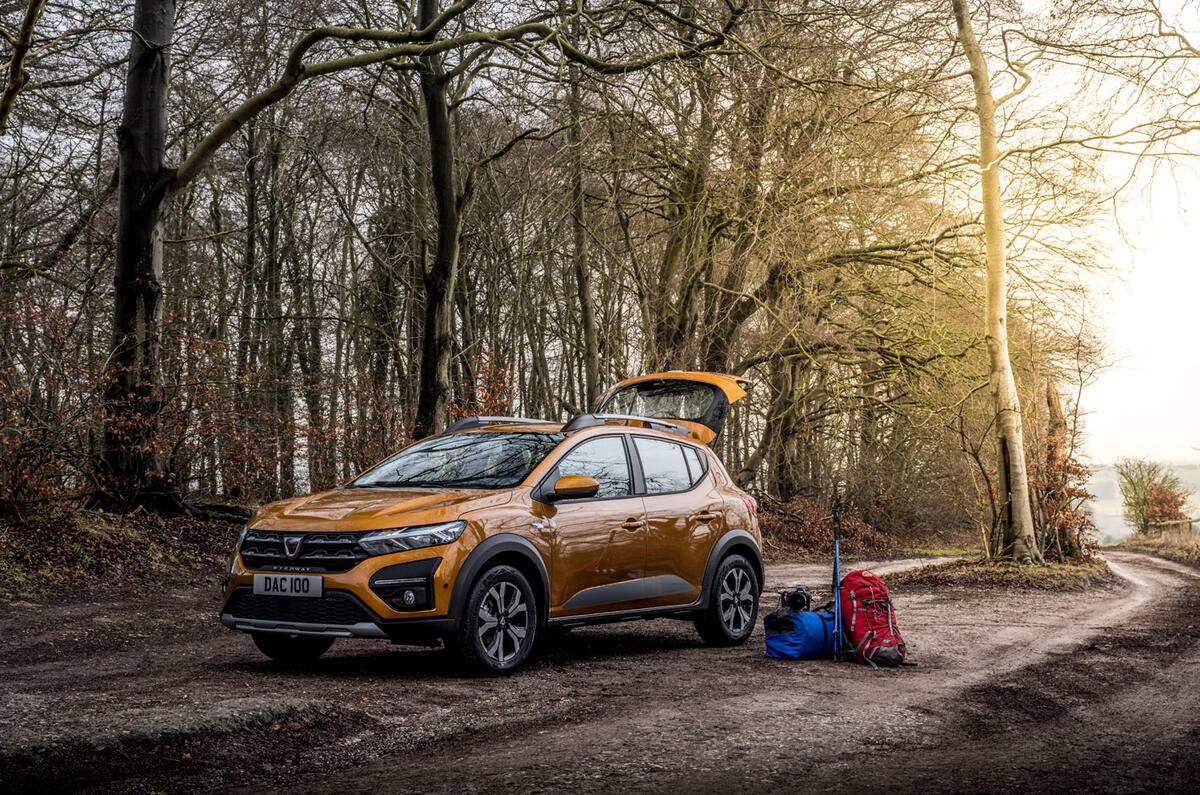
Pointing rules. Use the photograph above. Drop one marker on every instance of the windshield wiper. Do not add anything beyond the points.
(397, 484)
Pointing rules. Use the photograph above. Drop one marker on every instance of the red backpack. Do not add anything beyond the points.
(869, 621)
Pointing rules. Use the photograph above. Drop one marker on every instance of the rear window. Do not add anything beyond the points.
(488, 460)
(681, 400)
(666, 466)
(697, 463)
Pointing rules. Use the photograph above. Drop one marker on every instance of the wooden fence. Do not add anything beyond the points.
(1188, 522)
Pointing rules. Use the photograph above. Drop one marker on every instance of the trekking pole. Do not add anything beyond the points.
(837, 577)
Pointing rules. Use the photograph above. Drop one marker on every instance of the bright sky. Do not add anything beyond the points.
(1147, 404)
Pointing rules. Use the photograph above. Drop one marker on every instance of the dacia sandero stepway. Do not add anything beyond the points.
(485, 535)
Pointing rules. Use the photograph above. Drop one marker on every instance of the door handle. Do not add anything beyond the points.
(632, 524)
(704, 516)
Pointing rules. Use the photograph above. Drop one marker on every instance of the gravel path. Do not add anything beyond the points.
(1023, 691)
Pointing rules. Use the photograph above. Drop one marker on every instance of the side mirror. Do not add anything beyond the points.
(570, 487)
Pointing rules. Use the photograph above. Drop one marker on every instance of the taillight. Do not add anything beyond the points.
(751, 503)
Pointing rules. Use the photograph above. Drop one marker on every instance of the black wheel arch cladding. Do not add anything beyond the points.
(737, 542)
(502, 549)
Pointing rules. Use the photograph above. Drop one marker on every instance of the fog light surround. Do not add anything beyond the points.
(406, 587)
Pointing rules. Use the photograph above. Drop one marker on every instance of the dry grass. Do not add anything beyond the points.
(975, 573)
(1178, 544)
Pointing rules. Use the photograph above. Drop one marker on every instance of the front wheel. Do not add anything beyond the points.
(732, 604)
(291, 649)
(499, 624)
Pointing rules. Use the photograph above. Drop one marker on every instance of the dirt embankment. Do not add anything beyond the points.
(1093, 690)
(60, 552)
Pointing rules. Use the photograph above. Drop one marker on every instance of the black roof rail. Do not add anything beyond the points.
(592, 420)
(466, 423)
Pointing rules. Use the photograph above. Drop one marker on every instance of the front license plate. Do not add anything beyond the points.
(287, 585)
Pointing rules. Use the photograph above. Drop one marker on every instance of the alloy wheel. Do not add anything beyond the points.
(736, 600)
(503, 622)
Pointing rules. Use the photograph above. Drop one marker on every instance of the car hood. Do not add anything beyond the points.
(346, 510)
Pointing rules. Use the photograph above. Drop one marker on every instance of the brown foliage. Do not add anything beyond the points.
(47, 422)
(493, 394)
(1164, 504)
(1057, 490)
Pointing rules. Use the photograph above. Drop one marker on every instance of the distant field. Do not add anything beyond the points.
(1106, 508)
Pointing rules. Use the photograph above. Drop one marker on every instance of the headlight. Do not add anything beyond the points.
(233, 558)
(384, 542)
(228, 572)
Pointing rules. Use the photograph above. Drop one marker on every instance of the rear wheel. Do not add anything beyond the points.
(291, 649)
(732, 604)
(499, 625)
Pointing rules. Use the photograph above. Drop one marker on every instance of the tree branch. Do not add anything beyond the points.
(17, 76)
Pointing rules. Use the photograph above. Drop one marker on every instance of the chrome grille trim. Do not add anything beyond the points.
(318, 552)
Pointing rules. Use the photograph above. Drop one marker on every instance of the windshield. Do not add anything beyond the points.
(679, 400)
(464, 461)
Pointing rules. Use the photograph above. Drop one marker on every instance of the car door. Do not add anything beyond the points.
(684, 518)
(698, 401)
(598, 544)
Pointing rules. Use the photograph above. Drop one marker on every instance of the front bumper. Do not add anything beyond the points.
(368, 583)
(337, 614)
(359, 630)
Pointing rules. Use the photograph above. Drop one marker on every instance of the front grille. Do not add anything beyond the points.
(332, 608)
(328, 552)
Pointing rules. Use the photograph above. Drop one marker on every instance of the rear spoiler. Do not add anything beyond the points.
(592, 420)
(467, 423)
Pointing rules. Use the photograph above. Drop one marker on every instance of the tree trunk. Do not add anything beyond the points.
(438, 274)
(130, 466)
(470, 351)
(1016, 514)
(583, 281)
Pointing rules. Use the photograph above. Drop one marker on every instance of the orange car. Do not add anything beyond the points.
(487, 534)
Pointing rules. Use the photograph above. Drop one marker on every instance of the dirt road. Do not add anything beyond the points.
(1095, 691)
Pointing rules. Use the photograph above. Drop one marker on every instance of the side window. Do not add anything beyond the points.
(603, 459)
(664, 465)
(697, 463)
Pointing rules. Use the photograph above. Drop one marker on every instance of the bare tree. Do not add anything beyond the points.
(1016, 512)
(774, 211)
(129, 466)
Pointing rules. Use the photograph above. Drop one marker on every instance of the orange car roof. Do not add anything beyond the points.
(731, 385)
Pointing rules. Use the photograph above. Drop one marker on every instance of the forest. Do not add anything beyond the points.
(250, 248)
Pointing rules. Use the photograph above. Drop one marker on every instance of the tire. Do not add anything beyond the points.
(732, 605)
(291, 649)
(499, 623)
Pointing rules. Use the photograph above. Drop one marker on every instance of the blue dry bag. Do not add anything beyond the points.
(796, 635)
